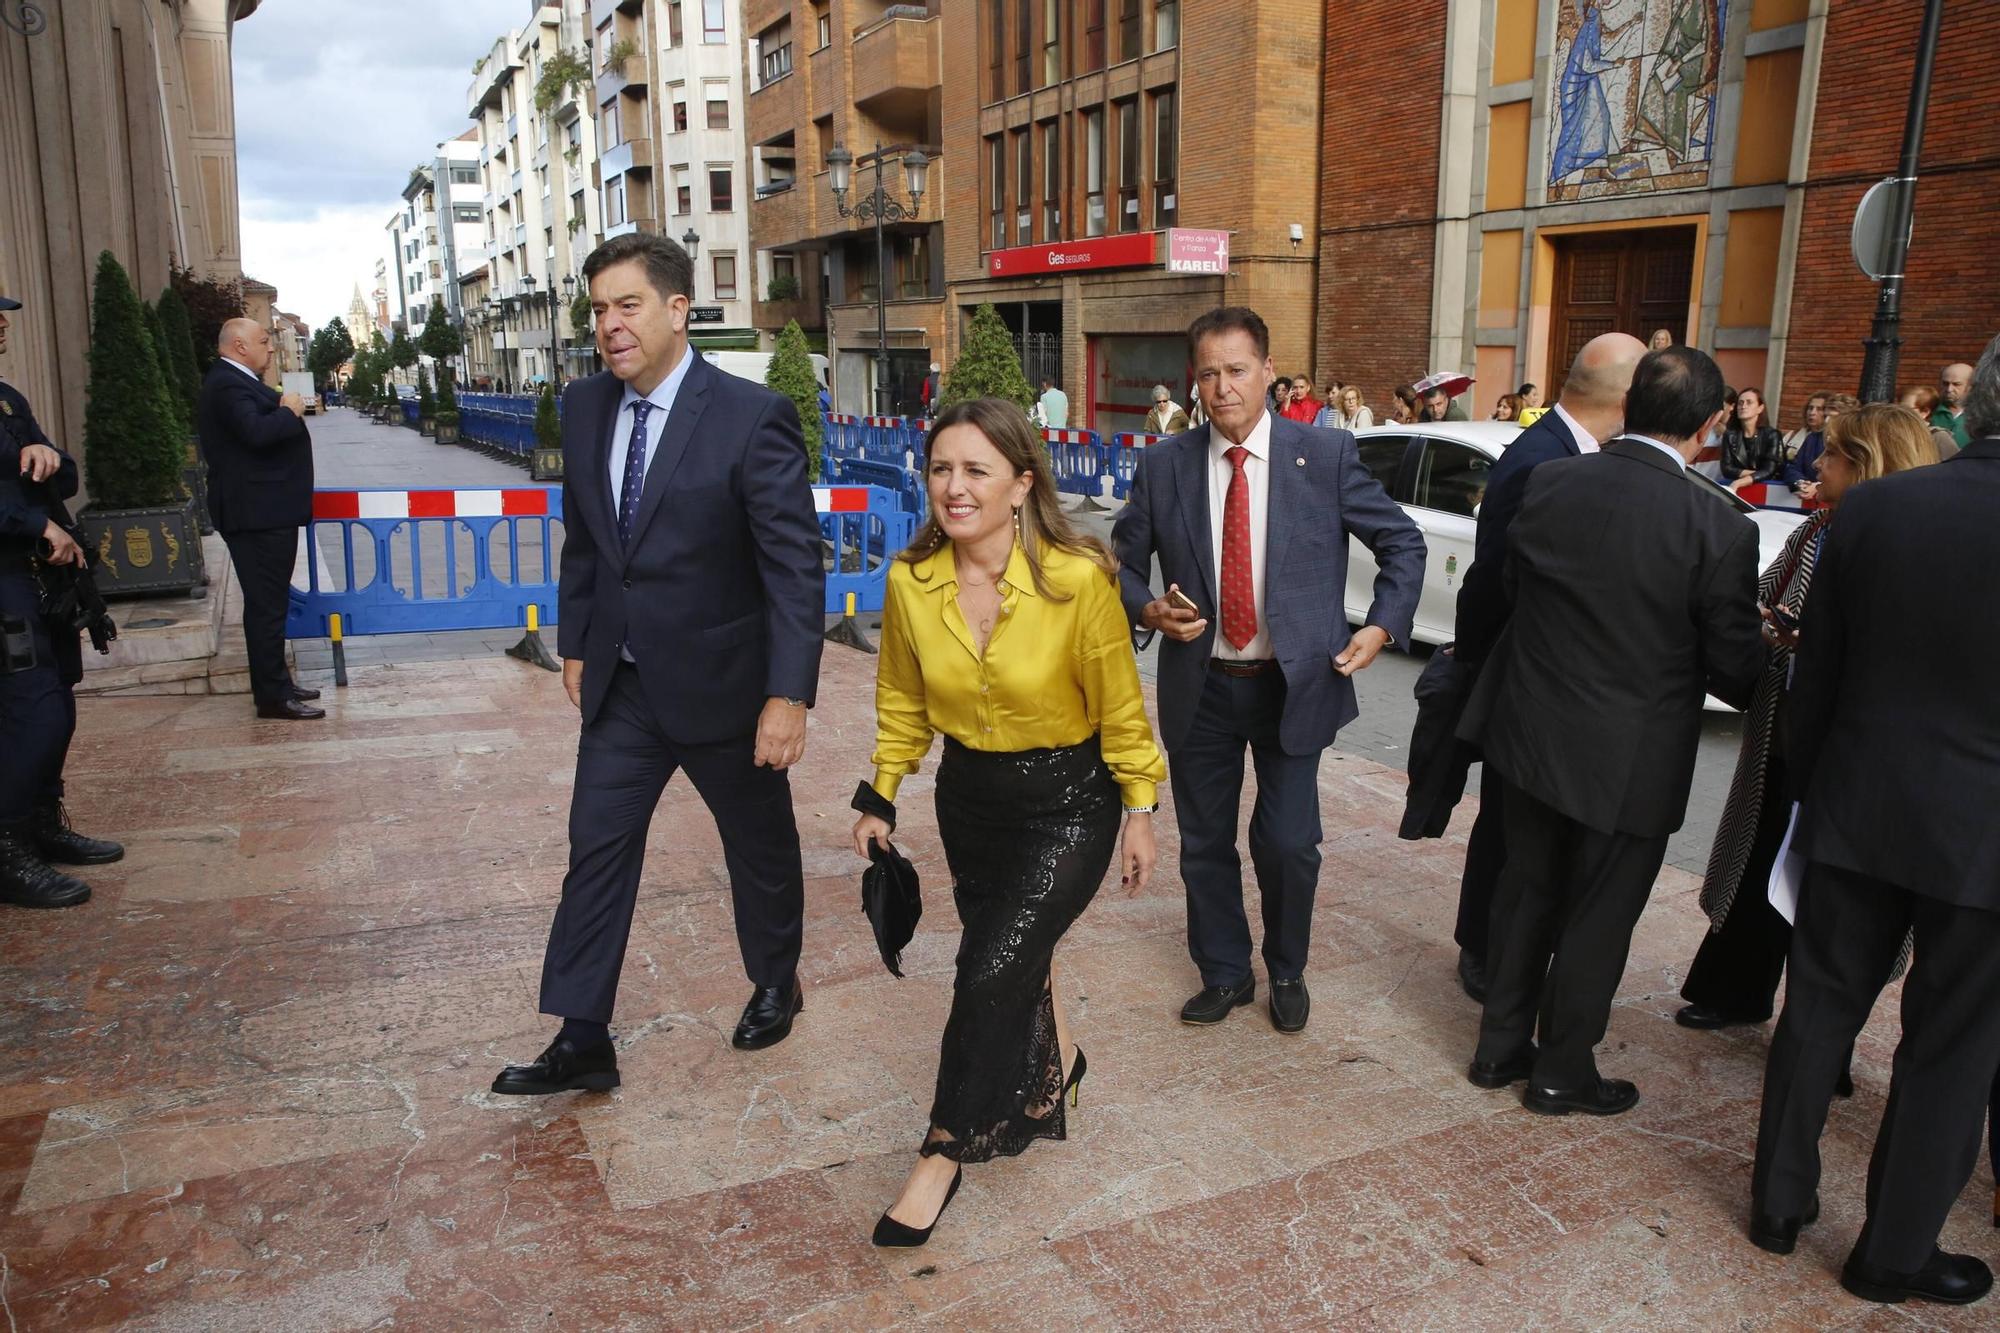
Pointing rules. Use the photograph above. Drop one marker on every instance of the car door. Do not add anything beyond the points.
(1445, 495)
(1386, 457)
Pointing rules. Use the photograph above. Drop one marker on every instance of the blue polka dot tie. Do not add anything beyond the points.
(635, 471)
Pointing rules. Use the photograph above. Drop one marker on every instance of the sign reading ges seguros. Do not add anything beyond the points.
(1176, 250)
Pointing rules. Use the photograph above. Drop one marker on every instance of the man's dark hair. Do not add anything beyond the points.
(1674, 392)
(1231, 319)
(1982, 396)
(668, 267)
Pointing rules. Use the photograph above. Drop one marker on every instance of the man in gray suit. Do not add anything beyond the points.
(1249, 516)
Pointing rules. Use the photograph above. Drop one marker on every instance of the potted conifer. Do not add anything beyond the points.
(547, 464)
(185, 380)
(447, 410)
(426, 404)
(790, 372)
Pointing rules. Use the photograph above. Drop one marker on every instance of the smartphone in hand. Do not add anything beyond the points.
(1183, 601)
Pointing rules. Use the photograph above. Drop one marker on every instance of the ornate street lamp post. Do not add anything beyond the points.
(528, 286)
(879, 206)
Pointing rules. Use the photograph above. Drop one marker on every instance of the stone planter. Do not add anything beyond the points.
(446, 432)
(427, 425)
(546, 465)
(144, 552)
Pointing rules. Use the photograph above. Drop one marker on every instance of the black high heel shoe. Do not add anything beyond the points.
(1076, 1073)
(893, 1235)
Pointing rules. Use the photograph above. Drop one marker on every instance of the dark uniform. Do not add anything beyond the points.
(37, 708)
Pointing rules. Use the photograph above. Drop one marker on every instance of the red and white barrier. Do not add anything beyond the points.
(840, 499)
(517, 502)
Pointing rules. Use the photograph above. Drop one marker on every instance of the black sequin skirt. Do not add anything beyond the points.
(1028, 835)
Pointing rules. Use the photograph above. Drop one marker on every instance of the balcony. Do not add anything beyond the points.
(624, 76)
(632, 155)
(896, 64)
(600, 10)
(774, 109)
(645, 222)
(780, 219)
(513, 127)
(516, 182)
(491, 78)
(804, 308)
(541, 158)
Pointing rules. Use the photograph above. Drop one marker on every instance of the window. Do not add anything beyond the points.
(1382, 455)
(1051, 42)
(713, 13)
(823, 27)
(1024, 42)
(464, 175)
(996, 175)
(608, 119)
(1166, 24)
(1451, 478)
(721, 192)
(1128, 165)
(777, 62)
(465, 212)
(1093, 36)
(614, 201)
(725, 277)
(996, 50)
(1052, 180)
(576, 209)
(673, 22)
(1131, 23)
(718, 105)
(1093, 173)
(913, 268)
(1166, 160)
(1024, 187)
(679, 94)
(683, 198)
(785, 264)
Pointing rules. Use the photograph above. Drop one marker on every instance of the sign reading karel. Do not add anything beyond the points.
(1197, 251)
(1131, 250)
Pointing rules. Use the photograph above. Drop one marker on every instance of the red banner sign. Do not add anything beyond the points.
(1132, 250)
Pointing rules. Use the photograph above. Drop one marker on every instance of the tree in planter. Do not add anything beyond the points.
(790, 372)
(580, 314)
(426, 405)
(211, 303)
(402, 352)
(548, 425)
(179, 347)
(177, 406)
(132, 445)
(440, 341)
(447, 402)
(987, 366)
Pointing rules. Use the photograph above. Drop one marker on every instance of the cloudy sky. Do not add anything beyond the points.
(334, 104)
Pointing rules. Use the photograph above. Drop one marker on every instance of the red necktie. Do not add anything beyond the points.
(1239, 595)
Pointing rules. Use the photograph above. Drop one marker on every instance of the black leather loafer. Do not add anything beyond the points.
(1704, 1019)
(1213, 1004)
(1496, 1074)
(1607, 1096)
(767, 1019)
(1949, 1279)
(301, 692)
(1780, 1235)
(1291, 1005)
(563, 1067)
(1472, 974)
(290, 710)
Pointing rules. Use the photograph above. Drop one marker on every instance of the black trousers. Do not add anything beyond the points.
(1485, 858)
(623, 763)
(1850, 929)
(1561, 929)
(264, 560)
(37, 709)
(1737, 969)
(1207, 775)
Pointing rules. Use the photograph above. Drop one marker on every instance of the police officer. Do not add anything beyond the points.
(39, 664)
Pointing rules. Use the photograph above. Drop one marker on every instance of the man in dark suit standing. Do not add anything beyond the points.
(1633, 591)
(1590, 411)
(691, 608)
(1249, 516)
(1896, 751)
(260, 482)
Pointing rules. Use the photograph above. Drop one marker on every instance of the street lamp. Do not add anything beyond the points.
(879, 206)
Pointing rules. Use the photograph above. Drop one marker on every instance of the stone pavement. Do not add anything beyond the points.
(245, 1087)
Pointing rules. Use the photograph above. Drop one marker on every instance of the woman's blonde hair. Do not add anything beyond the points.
(1879, 439)
(1043, 524)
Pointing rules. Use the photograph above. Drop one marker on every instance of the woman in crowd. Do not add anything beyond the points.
(1305, 405)
(1660, 341)
(1507, 408)
(1403, 408)
(1923, 400)
(1751, 449)
(1345, 411)
(1810, 422)
(1166, 418)
(1802, 473)
(1734, 979)
(1003, 629)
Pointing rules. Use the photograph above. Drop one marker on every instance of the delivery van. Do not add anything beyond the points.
(752, 365)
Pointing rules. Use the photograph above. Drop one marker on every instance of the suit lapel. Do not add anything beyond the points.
(1191, 485)
(688, 406)
(593, 473)
(1286, 500)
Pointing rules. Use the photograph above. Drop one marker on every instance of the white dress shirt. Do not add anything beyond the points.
(1585, 441)
(662, 398)
(1666, 449)
(246, 370)
(1257, 472)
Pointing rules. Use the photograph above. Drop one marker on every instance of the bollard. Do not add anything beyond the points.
(531, 648)
(339, 649)
(848, 631)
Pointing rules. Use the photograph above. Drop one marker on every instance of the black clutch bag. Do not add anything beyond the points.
(892, 900)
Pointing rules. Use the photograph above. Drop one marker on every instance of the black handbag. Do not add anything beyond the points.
(894, 903)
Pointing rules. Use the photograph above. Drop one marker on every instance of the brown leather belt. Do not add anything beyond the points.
(1230, 668)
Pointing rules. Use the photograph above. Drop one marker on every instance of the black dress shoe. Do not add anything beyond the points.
(1704, 1019)
(1496, 1074)
(290, 710)
(1780, 1235)
(563, 1067)
(26, 880)
(1949, 1279)
(893, 1235)
(1290, 1005)
(1213, 1004)
(1606, 1096)
(298, 691)
(1472, 974)
(767, 1019)
(59, 843)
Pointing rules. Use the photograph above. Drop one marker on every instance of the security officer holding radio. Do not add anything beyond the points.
(40, 660)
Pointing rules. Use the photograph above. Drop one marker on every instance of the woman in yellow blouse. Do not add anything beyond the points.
(1003, 630)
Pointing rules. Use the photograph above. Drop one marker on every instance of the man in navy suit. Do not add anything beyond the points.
(691, 608)
(1590, 411)
(260, 483)
(1249, 516)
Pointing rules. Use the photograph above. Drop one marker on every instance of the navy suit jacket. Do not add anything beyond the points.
(1320, 495)
(721, 594)
(1482, 602)
(260, 462)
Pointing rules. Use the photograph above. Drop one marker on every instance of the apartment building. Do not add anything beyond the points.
(1121, 166)
(860, 75)
(669, 96)
(537, 157)
(440, 223)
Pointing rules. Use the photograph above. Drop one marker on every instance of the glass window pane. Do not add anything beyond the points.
(1452, 477)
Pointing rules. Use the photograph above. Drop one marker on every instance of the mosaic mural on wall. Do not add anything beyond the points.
(1633, 109)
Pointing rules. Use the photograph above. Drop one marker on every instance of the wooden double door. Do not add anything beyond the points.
(1631, 281)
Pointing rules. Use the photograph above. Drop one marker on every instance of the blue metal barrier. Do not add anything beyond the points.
(1079, 460)
(907, 486)
(1123, 456)
(865, 526)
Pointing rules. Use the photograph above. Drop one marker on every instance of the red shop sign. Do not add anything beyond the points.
(1132, 250)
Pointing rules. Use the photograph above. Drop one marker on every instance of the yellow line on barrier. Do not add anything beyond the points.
(850, 606)
(333, 625)
(534, 618)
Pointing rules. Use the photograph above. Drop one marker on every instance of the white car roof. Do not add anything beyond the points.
(1490, 437)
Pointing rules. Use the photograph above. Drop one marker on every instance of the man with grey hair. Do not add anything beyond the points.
(1949, 414)
(1897, 753)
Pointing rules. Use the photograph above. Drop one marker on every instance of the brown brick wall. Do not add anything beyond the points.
(1378, 195)
(1951, 296)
